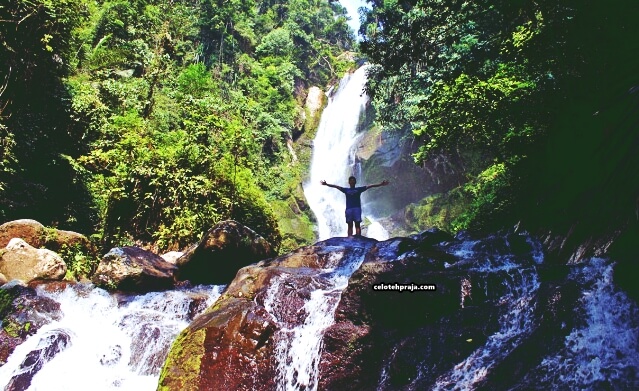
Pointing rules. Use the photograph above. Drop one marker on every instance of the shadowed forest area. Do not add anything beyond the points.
(534, 104)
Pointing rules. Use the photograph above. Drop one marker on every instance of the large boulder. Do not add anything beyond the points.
(37, 235)
(232, 345)
(223, 250)
(58, 239)
(135, 270)
(21, 261)
(28, 230)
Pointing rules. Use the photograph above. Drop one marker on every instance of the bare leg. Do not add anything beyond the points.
(350, 228)
(358, 229)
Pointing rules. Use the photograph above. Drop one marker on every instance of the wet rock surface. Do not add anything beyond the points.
(24, 315)
(233, 345)
(482, 313)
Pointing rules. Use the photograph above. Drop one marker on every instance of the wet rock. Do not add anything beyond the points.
(432, 237)
(133, 269)
(389, 331)
(21, 261)
(48, 347)
(554, 320)
(232, 345)
(489, 312)
(23, 315)
(223, 250)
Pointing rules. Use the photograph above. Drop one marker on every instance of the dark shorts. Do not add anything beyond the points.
(354, 214)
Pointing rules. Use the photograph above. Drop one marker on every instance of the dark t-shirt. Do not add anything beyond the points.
(352, 196)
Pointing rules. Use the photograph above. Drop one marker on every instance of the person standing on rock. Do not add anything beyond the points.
(353, 203)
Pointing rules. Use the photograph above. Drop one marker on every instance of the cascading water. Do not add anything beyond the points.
(104, 341)
(515, 295)
(603, 353)
(334, 158)
(299, 341)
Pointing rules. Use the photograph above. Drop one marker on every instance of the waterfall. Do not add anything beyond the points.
(104, 341)
(603, 352)
(334, 158)
(511, 283)
(299, 338)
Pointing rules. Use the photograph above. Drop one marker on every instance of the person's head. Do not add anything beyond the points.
(352, 181)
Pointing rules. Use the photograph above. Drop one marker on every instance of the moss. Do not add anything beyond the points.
(6, 301)
(438, 211)
(312, 121)
(295, 225)
(181, 369)
(49, 235)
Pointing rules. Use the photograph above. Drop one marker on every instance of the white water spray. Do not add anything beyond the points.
(334, 158)
(518, 288)
(299, 345)
(603, 352)
(106, 343)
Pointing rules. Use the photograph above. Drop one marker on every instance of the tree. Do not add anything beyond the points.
(499, 86)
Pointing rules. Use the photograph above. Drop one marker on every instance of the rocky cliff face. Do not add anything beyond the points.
(424, 312)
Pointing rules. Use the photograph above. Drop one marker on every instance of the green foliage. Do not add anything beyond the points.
(194, 81)
(530, 87)
(441, 211)
(159, 119)
(79, 263)
(7, 158)
(277, 43)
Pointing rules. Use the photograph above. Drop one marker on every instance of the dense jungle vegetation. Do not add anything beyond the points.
(533, 103)
(150, 120)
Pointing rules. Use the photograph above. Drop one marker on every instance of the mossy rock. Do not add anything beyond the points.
(295, 225)
(437, 211)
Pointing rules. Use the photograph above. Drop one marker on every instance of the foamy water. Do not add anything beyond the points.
(109, 342)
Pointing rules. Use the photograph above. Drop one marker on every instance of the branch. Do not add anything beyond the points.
(3, 88)
(6, 82)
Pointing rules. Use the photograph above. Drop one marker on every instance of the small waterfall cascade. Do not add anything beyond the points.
(603, 351)
(104, 341)
(302, 326)
(570, 329)
(334, 158)
(512, 284)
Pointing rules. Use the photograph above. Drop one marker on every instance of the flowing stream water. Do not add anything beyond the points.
(299, 341)
(104, 341)
(515, 291)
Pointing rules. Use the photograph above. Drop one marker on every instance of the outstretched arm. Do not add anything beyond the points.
(382, 183)
(329, 185)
